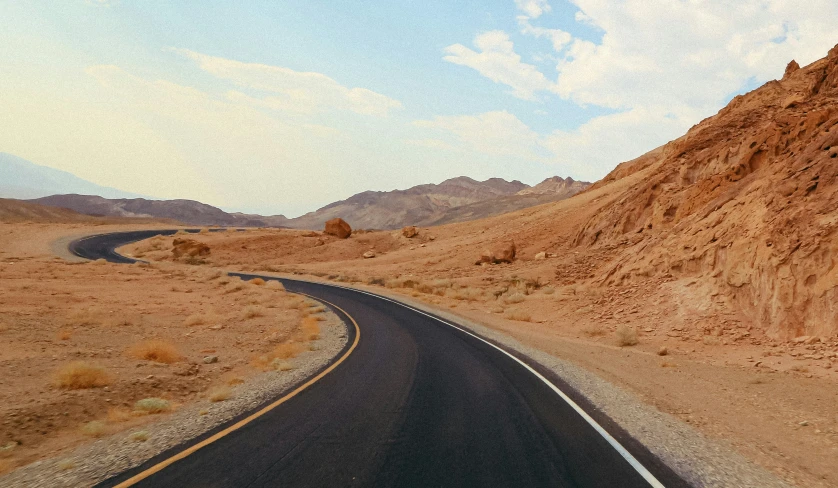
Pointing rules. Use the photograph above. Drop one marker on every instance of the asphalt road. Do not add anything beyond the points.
(417, 403)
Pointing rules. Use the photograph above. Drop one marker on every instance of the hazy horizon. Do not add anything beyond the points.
(280, 108)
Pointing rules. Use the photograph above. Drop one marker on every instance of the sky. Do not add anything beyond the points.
(285, 106)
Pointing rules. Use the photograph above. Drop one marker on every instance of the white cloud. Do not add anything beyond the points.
(498, 61)
(533, 8)
(493, 133)
(303, 92)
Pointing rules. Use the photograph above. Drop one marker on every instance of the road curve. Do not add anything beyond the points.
(418, 402)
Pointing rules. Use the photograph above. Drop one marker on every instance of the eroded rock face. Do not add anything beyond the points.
(189, 247)
(410, 231)
(338, 227)
(503, 253)
(746, 201)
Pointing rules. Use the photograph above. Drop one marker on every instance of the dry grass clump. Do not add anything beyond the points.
(517, 314)
(140, 436)
(257, 281)
(79, 375)
(219, 393)
(465, 293)
(516, 297)
(251, 312)
(310, 328)
(155, 350)
(66, 464)
(119, 414)
(234, 286)
(280, 365)
(626, 336)
(81, 317)
(594, 330)
(275, 285)
(152, 405)
(286, 350)
(194, 319)
(96, 428)
(100, 262)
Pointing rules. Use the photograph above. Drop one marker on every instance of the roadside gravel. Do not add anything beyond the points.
(96, 462)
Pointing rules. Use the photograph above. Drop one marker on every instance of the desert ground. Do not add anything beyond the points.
(91, 349)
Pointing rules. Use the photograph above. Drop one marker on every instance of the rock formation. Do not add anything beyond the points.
(338, 227)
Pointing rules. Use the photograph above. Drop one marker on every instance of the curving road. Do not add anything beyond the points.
(418, 402)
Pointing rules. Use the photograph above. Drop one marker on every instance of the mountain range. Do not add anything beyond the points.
(454, 200)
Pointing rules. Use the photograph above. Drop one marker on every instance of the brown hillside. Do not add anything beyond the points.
(18, 211)
(745, 200)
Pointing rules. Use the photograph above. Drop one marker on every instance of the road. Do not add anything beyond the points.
(418, 402)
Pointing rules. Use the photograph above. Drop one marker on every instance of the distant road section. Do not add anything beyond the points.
(419, 402)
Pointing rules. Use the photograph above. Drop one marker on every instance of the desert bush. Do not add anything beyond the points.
(95, 428)
(155, 350)
(234, 286)
(119, 414)
(194, 319)
(80, 375)
(152, 405)
(280, 352)
(280, 365)
(517, 314)
(376, 281)
(219, 393)
(100, 261)
(251, 312)
(275, 285)
(626, 336)
(257, 281)
(140, 436)
(515, 298)
(469, 294)
(594, 330)
(310, 329)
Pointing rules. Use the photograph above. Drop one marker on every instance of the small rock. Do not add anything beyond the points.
(663, 351)
(216, 327)
(801, 339)
(210, 359)
(369, 254)
(804, 423)
(410, 231)
(540, 256)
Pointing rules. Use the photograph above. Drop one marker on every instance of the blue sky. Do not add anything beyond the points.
(281, 107)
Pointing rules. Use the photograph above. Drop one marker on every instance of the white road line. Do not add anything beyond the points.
(649, 477)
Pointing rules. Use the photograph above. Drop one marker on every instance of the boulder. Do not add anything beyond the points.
(410, 231)
(338, 227)
(369, 254)
(189, 247)
(503, 253)
(791, 68)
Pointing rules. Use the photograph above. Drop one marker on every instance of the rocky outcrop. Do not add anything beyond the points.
(745, 202)
(338, 227)
(503, 253)
(410, 231)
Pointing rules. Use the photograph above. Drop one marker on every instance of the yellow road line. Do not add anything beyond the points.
(186, 452)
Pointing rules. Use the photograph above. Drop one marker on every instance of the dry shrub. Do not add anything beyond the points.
(257, 281)
(251, 312)
(155, 350)
(95, 428)
(100, 262)
(204, 231)
(468, 294)
(64, 335)
(235, 380)
(219, 393)
(286, 350)
(66, 464)
(82, 317)
(152, 405)
(594, 330)
(516, 314)
(119, 414)
(234, 286)
(626, 336)
(274, 285)
(140, 436)
(515, 298)
(310, 329)
(280, 365)
(195, 319)
(80, 375)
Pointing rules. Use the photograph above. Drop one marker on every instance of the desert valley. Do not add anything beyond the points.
(687, 300)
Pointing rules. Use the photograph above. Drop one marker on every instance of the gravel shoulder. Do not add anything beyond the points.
(100, 460)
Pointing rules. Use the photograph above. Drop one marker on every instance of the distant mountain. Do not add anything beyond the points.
(18, 211)
(189, 212)
(431, 204)
(22, 179)
(454, 200)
